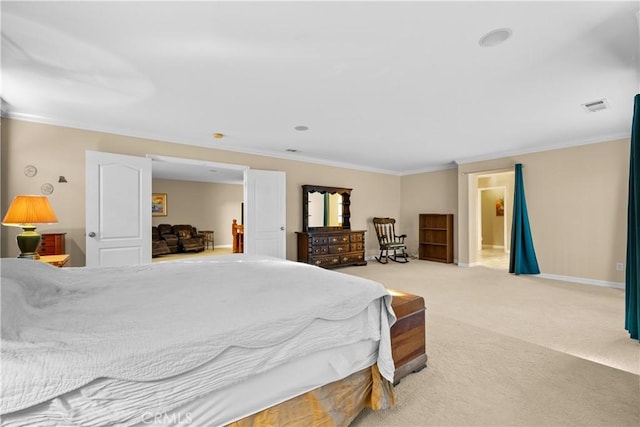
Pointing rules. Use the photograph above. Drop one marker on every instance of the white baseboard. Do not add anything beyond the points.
(468, 264)
(583, 280)
(572, 279)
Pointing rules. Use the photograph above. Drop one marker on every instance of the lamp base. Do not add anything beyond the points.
(28, 242)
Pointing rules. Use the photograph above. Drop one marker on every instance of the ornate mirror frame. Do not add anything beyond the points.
(346, 203)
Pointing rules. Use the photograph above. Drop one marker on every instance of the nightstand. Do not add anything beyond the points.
(56, 260)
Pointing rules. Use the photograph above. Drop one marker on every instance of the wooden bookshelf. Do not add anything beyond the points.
(435, 237)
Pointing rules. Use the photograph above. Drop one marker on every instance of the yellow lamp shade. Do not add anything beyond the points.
(30, 210)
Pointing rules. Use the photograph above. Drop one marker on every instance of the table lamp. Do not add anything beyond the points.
(24, 212)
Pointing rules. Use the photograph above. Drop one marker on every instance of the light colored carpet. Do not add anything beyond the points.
(206, 252)
(510, 350)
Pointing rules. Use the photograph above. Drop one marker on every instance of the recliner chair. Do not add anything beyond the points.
(166, 234)
(158, 246)
(188, 238)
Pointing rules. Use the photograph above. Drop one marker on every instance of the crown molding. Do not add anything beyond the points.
(557, 146)
(175, 139)
(181, 140)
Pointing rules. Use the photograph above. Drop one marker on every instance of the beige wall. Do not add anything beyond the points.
(576, 196)
(56, 150)
(206, 206)
(577, 201)
(432, 192)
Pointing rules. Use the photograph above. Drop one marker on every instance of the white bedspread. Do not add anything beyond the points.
(63, 328)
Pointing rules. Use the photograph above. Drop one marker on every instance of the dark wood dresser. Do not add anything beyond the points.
(330, 249)
(52, 244)
(408, 334)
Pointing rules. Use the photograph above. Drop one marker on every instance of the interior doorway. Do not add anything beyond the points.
(261, 210)
(493, 219)
(207, 195)
(492, 227)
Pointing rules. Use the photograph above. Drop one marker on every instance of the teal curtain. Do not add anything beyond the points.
(632, 280)
(522, 259)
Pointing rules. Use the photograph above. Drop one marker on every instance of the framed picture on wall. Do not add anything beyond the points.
(159, 204)
(500, 207)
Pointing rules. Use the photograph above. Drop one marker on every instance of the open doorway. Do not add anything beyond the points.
(121, 197)
(492, 227)
(206, 195)
(493, 219)
(260, 204)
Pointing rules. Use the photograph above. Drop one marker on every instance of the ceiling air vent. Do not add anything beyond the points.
(594, 106)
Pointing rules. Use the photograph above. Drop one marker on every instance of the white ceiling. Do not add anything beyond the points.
(395, 87)
(182, 169)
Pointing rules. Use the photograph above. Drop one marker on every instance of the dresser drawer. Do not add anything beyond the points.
(357, 237)
(326, 260)
(357, 246)
(319, 250)
(47, 250)
(338, 249)
(52, 244)
(334, 240)
(319, 240)
(351, 258)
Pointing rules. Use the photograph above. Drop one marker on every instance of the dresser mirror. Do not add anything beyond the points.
(325, 208)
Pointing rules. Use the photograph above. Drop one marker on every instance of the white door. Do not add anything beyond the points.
(265, 210)
(118, 209)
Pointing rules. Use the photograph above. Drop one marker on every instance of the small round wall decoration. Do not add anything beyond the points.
(46, 188)
(30, 171)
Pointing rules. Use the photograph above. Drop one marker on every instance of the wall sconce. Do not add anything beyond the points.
(62, 179)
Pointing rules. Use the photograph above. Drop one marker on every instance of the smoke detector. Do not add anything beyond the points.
(594, 106)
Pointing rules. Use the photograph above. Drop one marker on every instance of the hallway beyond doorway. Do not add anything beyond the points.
(493, 258)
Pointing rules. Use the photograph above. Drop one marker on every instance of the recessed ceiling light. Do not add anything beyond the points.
(218, 135)
(495, 37)
(301, 127)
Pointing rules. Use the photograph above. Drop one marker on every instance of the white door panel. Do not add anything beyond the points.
(120, 256)
(265, 206)
(118, 209)
(269, 247)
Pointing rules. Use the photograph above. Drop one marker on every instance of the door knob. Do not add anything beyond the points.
(92, 234)
(282, 228)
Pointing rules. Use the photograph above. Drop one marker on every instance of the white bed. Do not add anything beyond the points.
(204, 341)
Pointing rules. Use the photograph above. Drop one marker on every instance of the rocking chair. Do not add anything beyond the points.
(389, 241)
